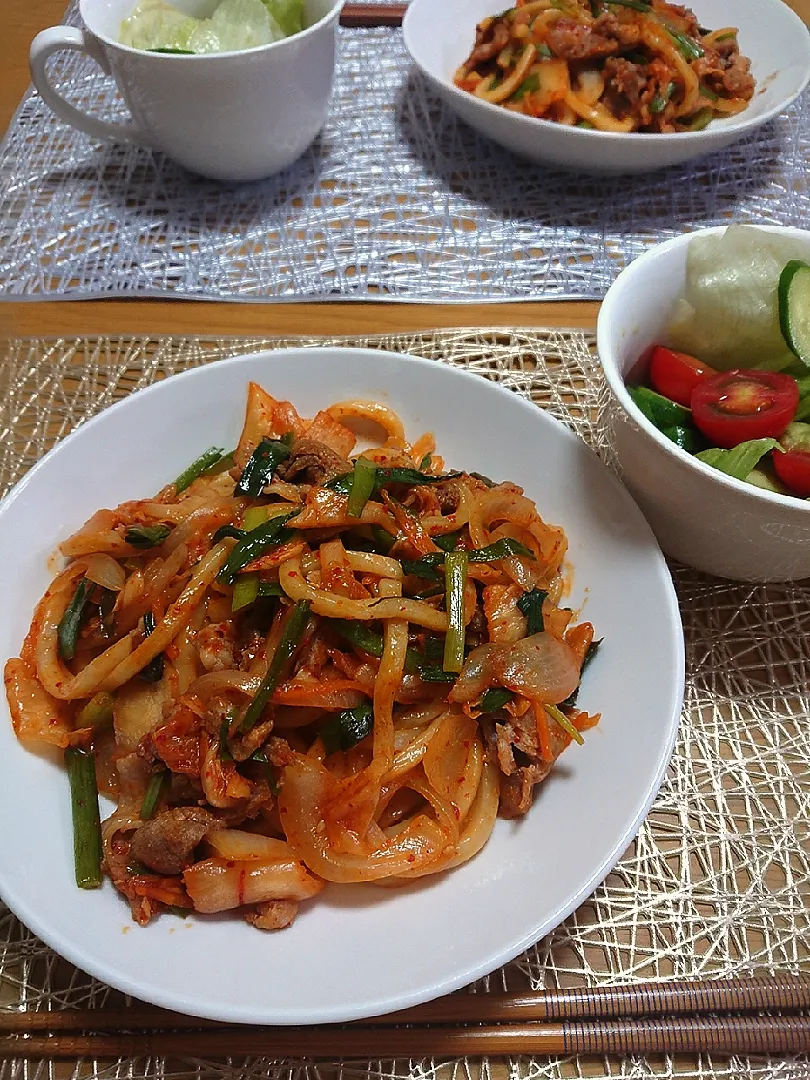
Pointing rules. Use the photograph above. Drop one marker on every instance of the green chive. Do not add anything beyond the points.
(495, 699)
(98, 712)
(152, 795)
(153, 672)
(212, 456)
(687, 47)
(146, 536)
(455, 576)
(253, 544)
(290, 639)
(228, 531)
(564, 723)
(261, 465)
(87, 851)
(363, 483)
(347, 728)
(531, 605)
(67, 633)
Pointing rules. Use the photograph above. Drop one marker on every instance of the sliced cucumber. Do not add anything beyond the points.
(794, 308)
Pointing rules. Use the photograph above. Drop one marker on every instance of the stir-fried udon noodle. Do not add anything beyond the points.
(298, 664)
(613, 65)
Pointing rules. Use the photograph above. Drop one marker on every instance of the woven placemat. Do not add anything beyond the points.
(717, 882)
(396, 200)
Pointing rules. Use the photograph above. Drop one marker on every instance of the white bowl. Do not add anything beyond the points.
(355, 951)
(439, 35)
(701, 516)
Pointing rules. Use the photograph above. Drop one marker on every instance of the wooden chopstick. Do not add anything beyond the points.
(684, 1016)
(372, 14)
(783, 994)
(693, 1034)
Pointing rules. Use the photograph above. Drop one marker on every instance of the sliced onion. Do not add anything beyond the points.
(477, 675)
(105, 571)
(540, 667)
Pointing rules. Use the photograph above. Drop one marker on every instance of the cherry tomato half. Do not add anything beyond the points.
(676, 374)
(735, 406)
(793, 469)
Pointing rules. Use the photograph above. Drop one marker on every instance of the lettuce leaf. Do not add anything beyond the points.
(741, 460)
(288, 14)
(728, 313)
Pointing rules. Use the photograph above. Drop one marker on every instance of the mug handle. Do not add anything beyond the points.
(52, 40)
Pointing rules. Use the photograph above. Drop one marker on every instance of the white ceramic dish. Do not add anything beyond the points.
(355, 951)
(701, 516)
(439, 35)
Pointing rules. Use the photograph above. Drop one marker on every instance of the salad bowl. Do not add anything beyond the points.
(701, 516)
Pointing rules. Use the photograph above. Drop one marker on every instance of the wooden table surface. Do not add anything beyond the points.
(22, 19)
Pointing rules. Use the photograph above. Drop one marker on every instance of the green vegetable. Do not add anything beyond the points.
(261, 465)
(245, 590)
(386, 476)
(707, 93)
(495, 699)
(687, 47)
(289, 14)
(224, 731)
(228, 531)
(455, 577)
(364, 479)
(198, 467)
(564, 723)
(255, 543)
(175, 52)
(529, 84)
(67, 633)
(448, 541)
(347, 728)
(425, 568)
(146, 536)
(794, 308)
(586, 124)
(504, 548)
(288, 643)
(739, 461)
(433, 673)
(699, 120)
(87, 852)
(544, 51)
(484, 479)
(152, 795)
(384, 540)
(153, 672)
(658, 409)
(98, 712)
(636, 5)
(531, 605)
(369, 641)
(659, 102)
(727, 37)
(683, 437)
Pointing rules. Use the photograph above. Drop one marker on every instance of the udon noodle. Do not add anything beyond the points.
(612, 65)
(298, 664)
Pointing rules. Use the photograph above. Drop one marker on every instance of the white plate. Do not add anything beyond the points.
(439, 35)
(355, 951)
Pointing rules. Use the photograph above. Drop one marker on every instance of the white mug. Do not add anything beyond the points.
(229, 116)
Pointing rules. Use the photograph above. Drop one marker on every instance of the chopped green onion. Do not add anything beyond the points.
(659, 102)
(585, 124)
(590, 652)
(636, 5)
(687, 47)
(425, 462)
(253, 517)
(382, 538)
(98, 712)
(455, 577)
(152, 795)
(528, 86)
(146, 536)
(87, 852)
(369, 641)
(495, 699)
(228, 531)
(261, 465)
(727, 37)
(245, 590)
(364, 479)
(447, 542)
(269, 588)
(531, 605)
(543, 50)
(422, 568)
(212, 456)
(564, 723)
(67, 633)
(153, 672)
(288, 643)
(484, 479)
(707, 93)
(432, 673)
(504, 548)
(347, 728)
(701, 119)
(253, 544)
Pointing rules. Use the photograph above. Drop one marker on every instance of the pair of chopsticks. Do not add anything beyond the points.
(735, 1016)
(372, 14)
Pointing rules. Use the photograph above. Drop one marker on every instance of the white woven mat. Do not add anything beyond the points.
(718, 881)
(396, 200)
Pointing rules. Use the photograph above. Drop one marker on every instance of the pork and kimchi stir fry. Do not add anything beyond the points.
(298, 663)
